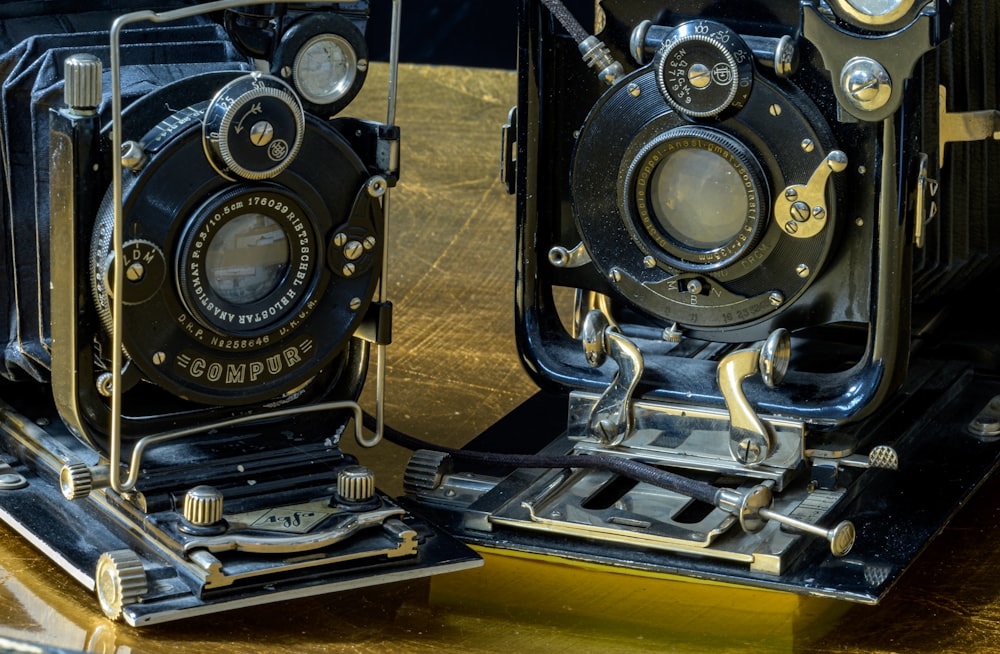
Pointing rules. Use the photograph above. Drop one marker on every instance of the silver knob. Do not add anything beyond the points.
(425, 471)
(203, 506)
(77, 480)
(83, 73)
(120, 580)
(355, 484)
(866, 83)
(753, 508)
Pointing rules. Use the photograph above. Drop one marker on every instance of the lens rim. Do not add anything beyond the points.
(859, 16)
(299, 34)
(648, 228)
(285, 300)
(171, 348)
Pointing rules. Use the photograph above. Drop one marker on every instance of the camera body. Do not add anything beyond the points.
(752, 237)
(195, 239)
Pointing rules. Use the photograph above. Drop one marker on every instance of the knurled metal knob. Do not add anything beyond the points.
(75, 480)
(120, 580)
(203, 506)
(424, 471)
(83, 73)
(355, 484)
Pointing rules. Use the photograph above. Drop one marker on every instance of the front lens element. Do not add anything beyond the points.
(247, 259)
(696, 198)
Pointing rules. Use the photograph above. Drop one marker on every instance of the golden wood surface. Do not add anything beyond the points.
(453, 371)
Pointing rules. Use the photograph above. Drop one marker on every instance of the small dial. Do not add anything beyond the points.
(704, 70)
(253, 127)
(145, 269)
(324, 68)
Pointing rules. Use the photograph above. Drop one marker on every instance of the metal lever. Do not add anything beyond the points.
(826, 469)
(560, 257)
(753, 508)
(883, 457)
(612, 419)
(801, 208)
(750, 440)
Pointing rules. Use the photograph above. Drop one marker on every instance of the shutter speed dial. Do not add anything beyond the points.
(704, 70)
(253, 127)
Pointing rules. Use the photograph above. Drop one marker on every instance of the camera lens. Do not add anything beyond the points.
(697, 197)
(697, 193)
(247, 258)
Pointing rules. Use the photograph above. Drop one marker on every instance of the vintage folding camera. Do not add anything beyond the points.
(194, 238)
(755, 244)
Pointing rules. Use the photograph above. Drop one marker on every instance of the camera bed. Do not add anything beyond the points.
(896, 512)
(376, 543)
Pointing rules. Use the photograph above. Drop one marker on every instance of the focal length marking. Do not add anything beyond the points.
(283, 222)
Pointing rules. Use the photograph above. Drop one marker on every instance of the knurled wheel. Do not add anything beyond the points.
(424, 471)
(75, 480)
(203, 506)
(356, 484)
(119, 580)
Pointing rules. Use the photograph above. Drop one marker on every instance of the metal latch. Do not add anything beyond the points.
(508, 152)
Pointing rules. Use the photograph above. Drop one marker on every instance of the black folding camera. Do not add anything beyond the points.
(194, 238)
(755, 244)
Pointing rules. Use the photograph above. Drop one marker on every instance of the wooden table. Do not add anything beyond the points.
(453, 371)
